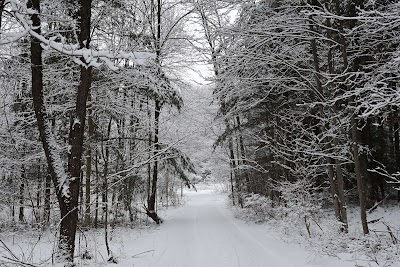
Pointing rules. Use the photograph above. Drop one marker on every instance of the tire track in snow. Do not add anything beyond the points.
(204, 233)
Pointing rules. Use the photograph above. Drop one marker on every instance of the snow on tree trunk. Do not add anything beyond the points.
(67, 183)
(336, 181)
(151, 202)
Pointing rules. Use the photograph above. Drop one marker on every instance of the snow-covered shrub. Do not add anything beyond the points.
(258, 208)
(299, 215)
(301, 205)
(382, 245)
(380, 248)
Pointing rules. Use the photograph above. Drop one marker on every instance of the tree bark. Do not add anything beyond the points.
(243, 157)
(38, 197)
(1, 11)
(21, 217)
(370, 181)
(232, 185)
(151, 202)
(88, 163)
(396, 143)
(105, 174)
(166, 190)
(360, 178)
(69, 211)
(67, 184)
(232, 164)
(96, 211)
(47, 185)
(81, 201)
(150, 143)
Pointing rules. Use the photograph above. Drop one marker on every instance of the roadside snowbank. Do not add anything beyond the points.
(317, 231)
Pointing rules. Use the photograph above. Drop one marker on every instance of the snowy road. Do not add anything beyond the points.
(204, 233)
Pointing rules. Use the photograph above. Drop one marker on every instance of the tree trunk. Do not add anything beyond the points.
(1, 11)
(243, 157)
(21, 217)
(232, 162)
(81, 201)
(88, 163)
(181, 191)
(67, 184)
(69, 211)
(370, 182)
(166, 190)
(396, 143)
(38, 197)
(354, 131)
(129, 189)
(150, 143)
(340, 186)
(232, 186)
(338, 163)
(47, 192)
(96, 211)
(360, 178)
(151, 202)
(106, 160)
(336, 182)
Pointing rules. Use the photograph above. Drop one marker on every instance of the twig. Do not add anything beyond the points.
(377, 204)
(9, 250)
(134, 256)
(19, 262)
(375, 220)
(392, 236)
(84, 236)
(307, 226)
(317, 224)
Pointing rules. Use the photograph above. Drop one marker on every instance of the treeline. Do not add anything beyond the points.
(308, 91)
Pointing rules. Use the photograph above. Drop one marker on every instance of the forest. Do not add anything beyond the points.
(111, 107)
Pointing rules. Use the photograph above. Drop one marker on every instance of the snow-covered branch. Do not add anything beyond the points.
(81, 55)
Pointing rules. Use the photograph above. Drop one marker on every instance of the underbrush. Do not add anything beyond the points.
(34, 244)
(300, 218)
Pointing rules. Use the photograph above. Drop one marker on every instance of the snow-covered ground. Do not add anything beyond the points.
(202, 233)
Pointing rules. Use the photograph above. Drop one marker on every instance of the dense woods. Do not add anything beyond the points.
(83, 86)
(307, 96)
(308, 91)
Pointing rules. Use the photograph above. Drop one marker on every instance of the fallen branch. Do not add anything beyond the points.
(392, 236)
(8, 250)
(20, 262)
(377, 204)
(375, 220)
(134, 256)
